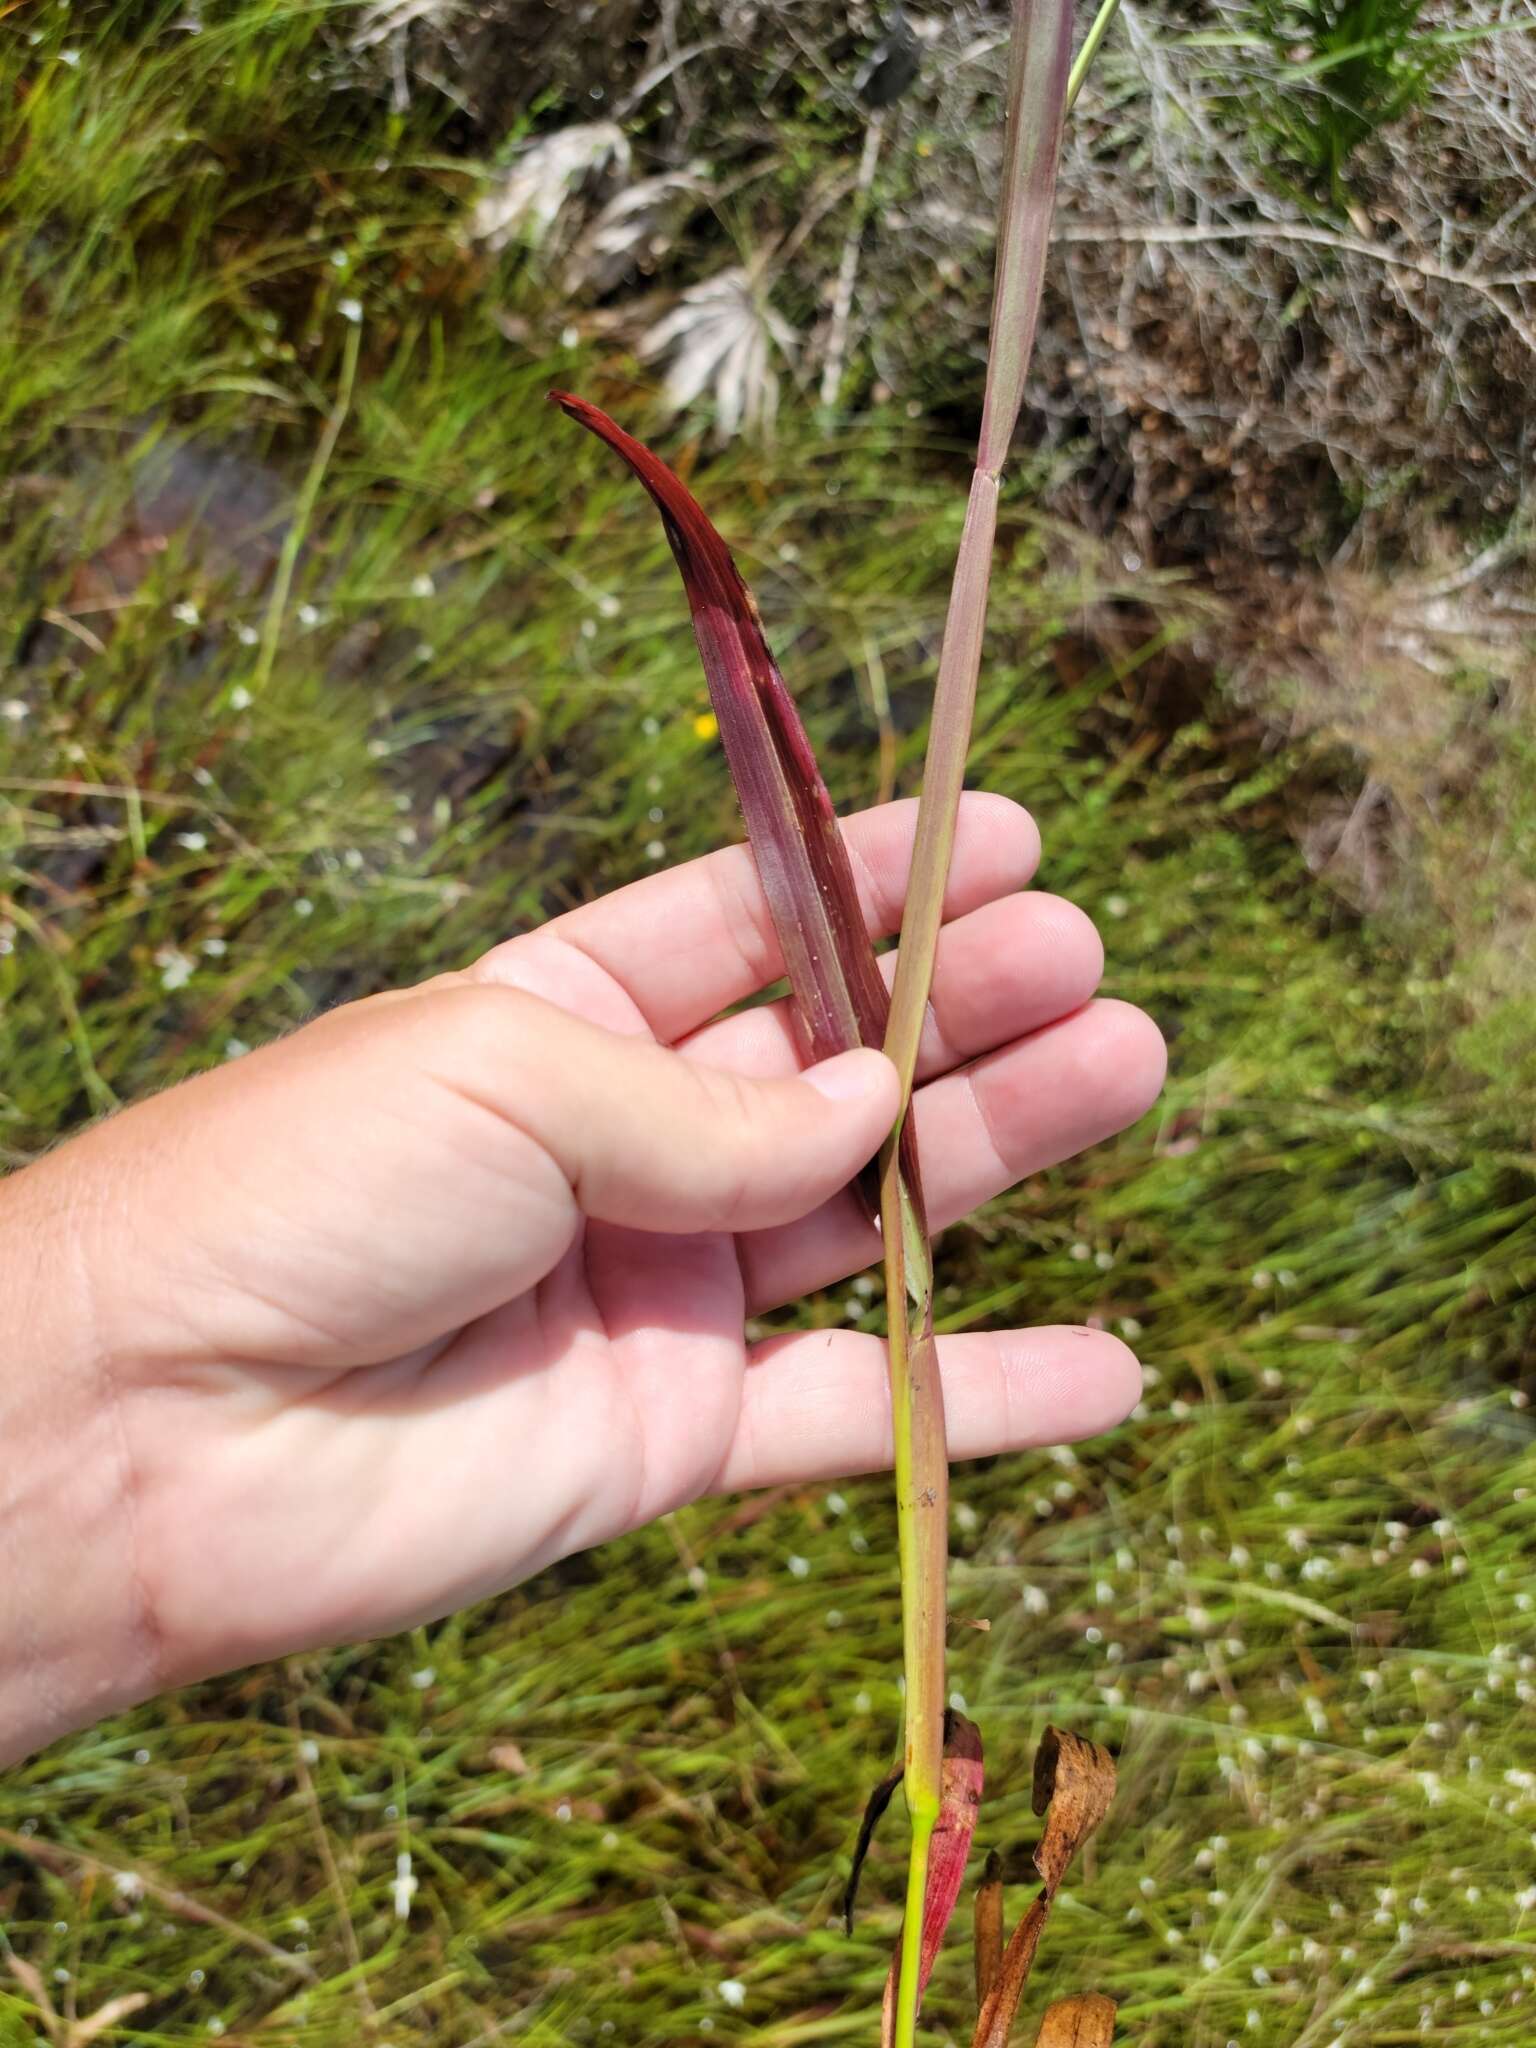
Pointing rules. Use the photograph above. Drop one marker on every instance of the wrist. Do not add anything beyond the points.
(75, 1616)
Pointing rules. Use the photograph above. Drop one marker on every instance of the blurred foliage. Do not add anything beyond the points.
(1295, 1594)
(1350, 67)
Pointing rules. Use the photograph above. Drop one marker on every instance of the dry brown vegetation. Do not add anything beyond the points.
(1240, 367)
(1297, 415)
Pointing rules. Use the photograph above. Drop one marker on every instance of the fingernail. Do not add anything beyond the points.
(851, 1077)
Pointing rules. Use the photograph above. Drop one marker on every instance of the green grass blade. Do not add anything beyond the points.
(1082, 64)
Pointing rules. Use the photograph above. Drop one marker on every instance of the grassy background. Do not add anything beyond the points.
(245, 352)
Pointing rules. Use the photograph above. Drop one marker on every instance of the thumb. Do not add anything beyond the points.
(647, 1138)
(406, 1164)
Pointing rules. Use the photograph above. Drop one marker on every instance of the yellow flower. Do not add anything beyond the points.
(706, 725)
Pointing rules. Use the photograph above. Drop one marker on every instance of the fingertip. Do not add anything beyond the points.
(1122, 1060)
(1075, 937)
(998, 832)
(1105, 1381)
(1053, 1384)
(862, 1075)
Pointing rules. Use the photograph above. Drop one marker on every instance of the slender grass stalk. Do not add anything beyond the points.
(1082, 63)
(1037, 89)
(304, 511)
(848, 267)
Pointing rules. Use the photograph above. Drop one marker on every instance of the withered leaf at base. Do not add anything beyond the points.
(1074, 1784)
(874, 1811)
(947, 1852)
(989, 1927)
(1085, 2022)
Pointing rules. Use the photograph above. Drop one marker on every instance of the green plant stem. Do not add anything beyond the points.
(908, 1987)
(917, 1396)
(293, 540)
(101, 1095)
(922, 1516)
(1083, 63)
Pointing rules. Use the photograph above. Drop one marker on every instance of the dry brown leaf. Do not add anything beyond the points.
(105, 2016)
(994, 2023)
(65, 2033)
(874, 1810)
(1074, 1784)
(1086, 2022)
(989, 1927)
(32, 1983)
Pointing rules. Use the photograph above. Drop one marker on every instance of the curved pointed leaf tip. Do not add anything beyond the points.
(874, 1809)
(802, 861)
(801, 858)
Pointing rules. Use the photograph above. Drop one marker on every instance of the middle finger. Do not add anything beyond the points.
(1009, 968)
(981, 1129)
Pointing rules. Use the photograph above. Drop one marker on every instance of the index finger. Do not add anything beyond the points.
(666, 954)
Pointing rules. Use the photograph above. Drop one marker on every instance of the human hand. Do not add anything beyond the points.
(452, 1282)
